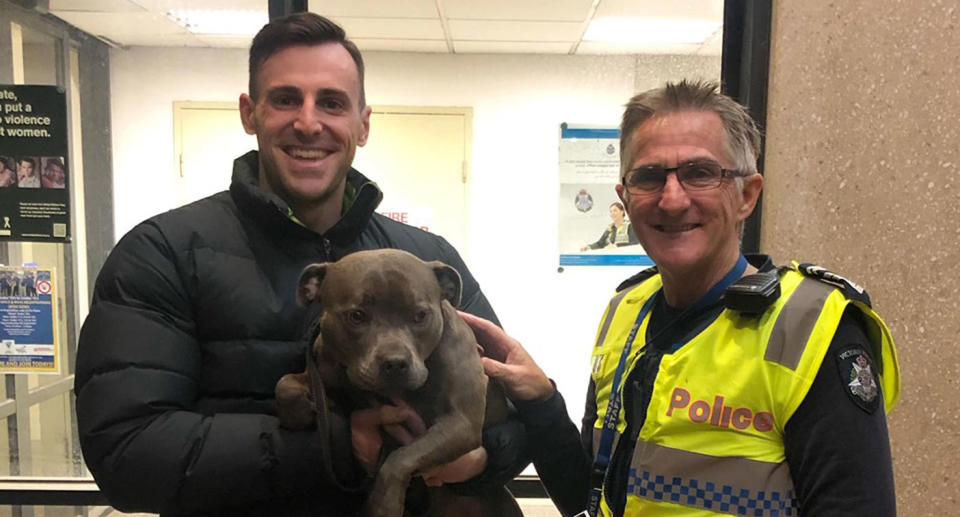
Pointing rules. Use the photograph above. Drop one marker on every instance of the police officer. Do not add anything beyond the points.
(720, 384)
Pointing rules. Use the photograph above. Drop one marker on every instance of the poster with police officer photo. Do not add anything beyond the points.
(594, 229)
(34, 177)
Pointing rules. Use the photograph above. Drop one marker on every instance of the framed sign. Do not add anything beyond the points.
(594, 229)
(28, 320)
(34, 177)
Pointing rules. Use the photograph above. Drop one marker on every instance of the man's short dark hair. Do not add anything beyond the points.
(299, 29)
(28, 160)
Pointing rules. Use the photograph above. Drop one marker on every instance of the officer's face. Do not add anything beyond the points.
(688, 232)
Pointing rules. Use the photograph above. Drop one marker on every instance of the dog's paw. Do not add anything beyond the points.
(294, 406)
(382, 509)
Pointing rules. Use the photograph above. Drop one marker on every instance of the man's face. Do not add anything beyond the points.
(688, 231)
(53, 175)
(307, 121)
(25, 170)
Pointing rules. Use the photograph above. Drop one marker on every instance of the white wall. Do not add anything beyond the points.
(518, 103)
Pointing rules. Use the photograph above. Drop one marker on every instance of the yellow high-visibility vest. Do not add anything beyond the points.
(712, 442)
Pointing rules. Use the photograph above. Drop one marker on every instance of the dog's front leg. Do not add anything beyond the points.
(447, 439)
(294, 403)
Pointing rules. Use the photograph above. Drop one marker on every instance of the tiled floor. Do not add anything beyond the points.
(530, 507)
(538, 508)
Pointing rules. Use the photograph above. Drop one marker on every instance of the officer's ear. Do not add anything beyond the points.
(749, 194)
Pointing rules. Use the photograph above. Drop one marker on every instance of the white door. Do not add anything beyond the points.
(418, 157)
(207, 138)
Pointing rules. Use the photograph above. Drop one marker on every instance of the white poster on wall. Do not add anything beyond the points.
(594, 229)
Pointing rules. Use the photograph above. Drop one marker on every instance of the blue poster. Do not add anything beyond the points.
(594, 228)
(28, 316)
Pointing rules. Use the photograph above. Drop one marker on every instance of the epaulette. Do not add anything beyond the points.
(637, 278)
(849, 289)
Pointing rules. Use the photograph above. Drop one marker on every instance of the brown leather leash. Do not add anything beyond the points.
(323, 426)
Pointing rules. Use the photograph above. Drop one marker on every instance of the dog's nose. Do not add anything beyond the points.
(394, 366)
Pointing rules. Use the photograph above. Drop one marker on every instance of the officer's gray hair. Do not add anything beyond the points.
(743, 137)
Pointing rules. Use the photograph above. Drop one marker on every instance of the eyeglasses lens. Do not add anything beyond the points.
(693, 176)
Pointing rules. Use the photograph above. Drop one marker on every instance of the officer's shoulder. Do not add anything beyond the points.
(850, 289)
(637, 278)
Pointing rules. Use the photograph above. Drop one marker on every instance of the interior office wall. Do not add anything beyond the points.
(861, 168)
(518, 103)
(37, 59)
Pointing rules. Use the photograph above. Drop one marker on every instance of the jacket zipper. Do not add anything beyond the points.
(327, 250)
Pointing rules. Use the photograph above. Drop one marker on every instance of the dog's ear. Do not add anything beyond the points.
(308, 287)
(449, 280)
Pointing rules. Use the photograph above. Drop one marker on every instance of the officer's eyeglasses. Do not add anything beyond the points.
(692, 176)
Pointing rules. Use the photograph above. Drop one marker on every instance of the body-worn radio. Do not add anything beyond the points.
(752, 294)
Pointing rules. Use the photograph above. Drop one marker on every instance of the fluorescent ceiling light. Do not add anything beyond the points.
(650, 30)
(203, 21)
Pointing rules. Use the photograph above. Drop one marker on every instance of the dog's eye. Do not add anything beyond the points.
(356, 317)
(419, 316)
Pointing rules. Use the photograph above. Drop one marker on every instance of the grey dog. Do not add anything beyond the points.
(389, 331)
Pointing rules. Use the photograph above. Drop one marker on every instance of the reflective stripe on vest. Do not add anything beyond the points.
(712, 441)
(621, 235)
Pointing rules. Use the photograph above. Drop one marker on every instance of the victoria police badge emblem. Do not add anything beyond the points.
(856, 373)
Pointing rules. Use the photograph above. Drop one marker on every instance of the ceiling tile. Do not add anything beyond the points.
(95, 5)
(512, 47)
(122, 27)
(401, 45)
(164, 40)
(377, 8)
(391, 28)
(514, 31)
(162, 6)
(223, 41)
(697, 9)
(597, 47)
(713, 46)
(548, 10)
(547, 26)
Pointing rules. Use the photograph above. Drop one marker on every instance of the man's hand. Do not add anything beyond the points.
(400, 421)
(508, 362)
(461, 469)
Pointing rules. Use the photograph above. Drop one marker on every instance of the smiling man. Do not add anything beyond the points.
(720, 384)
(194, 317)
(26, 173)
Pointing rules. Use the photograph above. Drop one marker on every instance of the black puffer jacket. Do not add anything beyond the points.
(192, 324)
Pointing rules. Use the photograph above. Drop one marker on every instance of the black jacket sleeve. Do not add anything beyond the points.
(138, 375)
(561, 459)
(838, 452)
(603, 240)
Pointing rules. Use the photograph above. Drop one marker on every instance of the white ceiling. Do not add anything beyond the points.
(445, 26)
